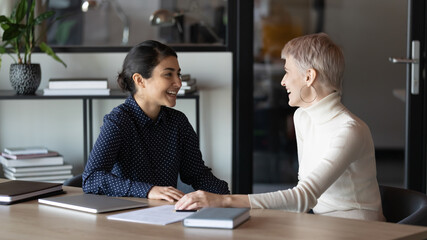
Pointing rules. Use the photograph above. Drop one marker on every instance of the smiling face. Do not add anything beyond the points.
(163, 85)
(160, 89)
(293, 81)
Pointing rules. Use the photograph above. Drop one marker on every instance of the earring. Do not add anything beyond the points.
(308, 94)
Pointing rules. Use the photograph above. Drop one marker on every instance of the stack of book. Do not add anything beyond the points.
(77, 87)
(188, 85)
(34, 164)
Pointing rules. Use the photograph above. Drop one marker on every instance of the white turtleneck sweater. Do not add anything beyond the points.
(337, 172)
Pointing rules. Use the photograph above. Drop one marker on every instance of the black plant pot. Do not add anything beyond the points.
(25, 78)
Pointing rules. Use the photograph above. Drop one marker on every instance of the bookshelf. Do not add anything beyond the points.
(87, 102)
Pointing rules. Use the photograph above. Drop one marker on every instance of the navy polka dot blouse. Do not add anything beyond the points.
(134, 153)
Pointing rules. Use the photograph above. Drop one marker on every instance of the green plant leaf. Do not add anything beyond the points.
(21, 10)
(3, 18)
(43, 17)
(11, 33)
(30, 16)
(4, 26)
(45, 48)
(2, 51)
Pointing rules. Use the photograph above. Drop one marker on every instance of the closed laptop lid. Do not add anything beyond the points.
(92, 203)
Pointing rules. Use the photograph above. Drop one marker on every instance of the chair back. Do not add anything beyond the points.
(404, 206)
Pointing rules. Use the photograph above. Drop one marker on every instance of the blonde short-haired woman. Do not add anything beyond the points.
(337, 170)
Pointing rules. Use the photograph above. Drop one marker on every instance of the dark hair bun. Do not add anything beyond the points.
(142, 59)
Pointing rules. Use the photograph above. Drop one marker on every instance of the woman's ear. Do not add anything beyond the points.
(138, 80)
(311, 76)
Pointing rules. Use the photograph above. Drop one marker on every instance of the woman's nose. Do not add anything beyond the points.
(283, 82)
(178, 81)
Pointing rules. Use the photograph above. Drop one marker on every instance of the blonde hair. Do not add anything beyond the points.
(317, 51)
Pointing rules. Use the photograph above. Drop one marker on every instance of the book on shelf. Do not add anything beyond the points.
(14, 191)
(78, 83)
(41, 161)
(188, 88)
(25, 150)
(27, 156)
(227, 218)
(36, 173)
(185, 77)
(188, 82)
(76, 92)
(52, 168)
(59, 178)
(186, 91)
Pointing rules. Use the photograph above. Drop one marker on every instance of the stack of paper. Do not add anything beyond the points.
(77, 87)
(160, 215)
(34, 164)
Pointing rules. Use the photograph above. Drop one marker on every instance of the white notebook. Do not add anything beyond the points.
(92, 203)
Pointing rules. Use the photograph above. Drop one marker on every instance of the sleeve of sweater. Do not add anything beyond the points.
(331, 165)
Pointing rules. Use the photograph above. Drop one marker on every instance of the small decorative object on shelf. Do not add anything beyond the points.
(188, 85)
(77, 87)
(34, 164)
(19, 38)
(25, 78)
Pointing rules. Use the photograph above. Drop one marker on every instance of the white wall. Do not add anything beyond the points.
(58, 124)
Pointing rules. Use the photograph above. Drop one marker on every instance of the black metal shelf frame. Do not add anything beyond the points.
(88, 110)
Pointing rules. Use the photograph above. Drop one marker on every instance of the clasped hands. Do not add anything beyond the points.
(189, 201)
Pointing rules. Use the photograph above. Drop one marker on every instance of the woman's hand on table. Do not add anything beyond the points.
(169, 194)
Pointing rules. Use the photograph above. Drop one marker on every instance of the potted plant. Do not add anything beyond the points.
(19, 39)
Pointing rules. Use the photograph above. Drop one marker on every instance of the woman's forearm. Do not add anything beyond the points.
(236, 200)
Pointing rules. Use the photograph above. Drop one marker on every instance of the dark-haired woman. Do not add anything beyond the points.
(144, 144)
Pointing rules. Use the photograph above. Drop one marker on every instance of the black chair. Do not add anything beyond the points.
(404, 206)
(75, 181)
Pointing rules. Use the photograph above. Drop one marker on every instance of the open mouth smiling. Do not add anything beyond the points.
(172, 92)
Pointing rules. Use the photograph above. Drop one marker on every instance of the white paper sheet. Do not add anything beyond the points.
(160, 215)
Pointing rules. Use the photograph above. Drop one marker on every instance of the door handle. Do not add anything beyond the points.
(415, 66)
(402, 60)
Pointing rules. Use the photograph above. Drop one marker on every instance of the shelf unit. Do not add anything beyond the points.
(88, 110)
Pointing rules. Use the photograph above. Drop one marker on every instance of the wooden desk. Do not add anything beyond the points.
(30, 220)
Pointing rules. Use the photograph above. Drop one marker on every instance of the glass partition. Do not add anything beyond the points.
(121, 23)
(371, 83)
